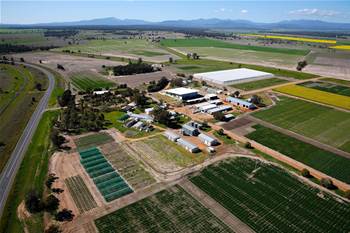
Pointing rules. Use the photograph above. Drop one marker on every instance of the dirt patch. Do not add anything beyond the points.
(236, 123)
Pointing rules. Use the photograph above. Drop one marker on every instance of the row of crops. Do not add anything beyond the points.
(269, 199)
(80, 193)
(110, 184)
(171, 210)
(93, 140)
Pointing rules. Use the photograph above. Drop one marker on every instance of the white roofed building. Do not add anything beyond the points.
(233, 76)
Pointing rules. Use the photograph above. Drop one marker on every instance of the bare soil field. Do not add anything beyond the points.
(71, 64)
(139, 79)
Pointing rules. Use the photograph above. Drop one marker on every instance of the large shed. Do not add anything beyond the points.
(171, 135)
(233, 76)
(207, 140)
(182, 93)
(240, 103)
(188, 145)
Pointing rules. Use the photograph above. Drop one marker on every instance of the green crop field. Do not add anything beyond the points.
(92, 140)
(338, 81)
(259, 84)
(327, 162)
(244, 56)
(202, 42)
(121, 46)
(269, 199)
(108, 181)
(321, 123)
(171, 210)
(80, 193)
(328, 87)
(120, 157)
(86, 81)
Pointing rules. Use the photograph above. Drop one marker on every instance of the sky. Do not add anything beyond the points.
(44, 11)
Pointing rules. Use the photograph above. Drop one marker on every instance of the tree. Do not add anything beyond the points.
(236, 93)
(347, 194)
(248, 145)
(220, 132)
(301, 65)
(162, 116)
(57, 190)
(219, 116)
(188, 55)
(22, 59)
(53, 229)
(51, 178)
(64, 215)
(257, 100)
(177, 82)
(51, 203)
(39, 86)
(139, 60)
(171, 60)
(57, 139)
(33, 202)
(305, 173)
(66, 98)
(60, 67)
(327, 183)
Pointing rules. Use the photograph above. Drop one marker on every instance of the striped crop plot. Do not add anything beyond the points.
(328, 87)
(316, 95)
(327, 162)
(110, 184)
(120, 157)
(292, 38)
(311, 120)
(87, 81)
(171, 210)
(269, 199)
(80, 193)
(92, 140)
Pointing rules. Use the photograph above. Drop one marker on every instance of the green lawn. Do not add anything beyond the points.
(324, 161)
(87, 81)
(321, 123)
(203, 42)
(171, 210)
(269, 199)
(259, 84)
(31, 175)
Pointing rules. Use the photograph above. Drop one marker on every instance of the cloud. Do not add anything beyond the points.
(314, 12)
(244, 11)
(223, 10)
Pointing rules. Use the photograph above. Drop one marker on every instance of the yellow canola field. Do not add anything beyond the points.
(316, 95)
(346, 47)
(293, 38)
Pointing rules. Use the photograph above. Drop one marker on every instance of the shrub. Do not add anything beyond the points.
(64, 215)
(51, 203)
(305, 173)
(327, 183)
(248, 145)
(33, 202)
(347, 194)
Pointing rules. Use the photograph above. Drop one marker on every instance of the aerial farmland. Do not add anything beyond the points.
(207, 125)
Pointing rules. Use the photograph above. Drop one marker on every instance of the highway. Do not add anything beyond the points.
(9, 173)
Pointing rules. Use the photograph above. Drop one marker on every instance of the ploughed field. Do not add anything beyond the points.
(327, 125)
(171, 210)
(327, 162)
(269, 199)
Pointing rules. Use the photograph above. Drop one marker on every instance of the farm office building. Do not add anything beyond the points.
(234, 76)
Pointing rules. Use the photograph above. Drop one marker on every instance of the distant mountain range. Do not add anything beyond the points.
(205, 23)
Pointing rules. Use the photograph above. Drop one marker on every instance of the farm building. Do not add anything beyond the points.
(100, 92)
(171, 135)
(187, 145)
(194, 124)
(234, 76)
(240, 103)
(183, 93)
(209, 141)
(143, 117)
(189, 130)
(222, 108)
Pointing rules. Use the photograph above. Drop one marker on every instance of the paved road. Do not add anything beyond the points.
(9, 173)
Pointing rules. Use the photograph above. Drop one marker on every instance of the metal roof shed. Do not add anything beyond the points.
(210, 141)
(171, 136)
(187, 145)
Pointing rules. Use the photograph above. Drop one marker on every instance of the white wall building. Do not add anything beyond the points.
(234, 76)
